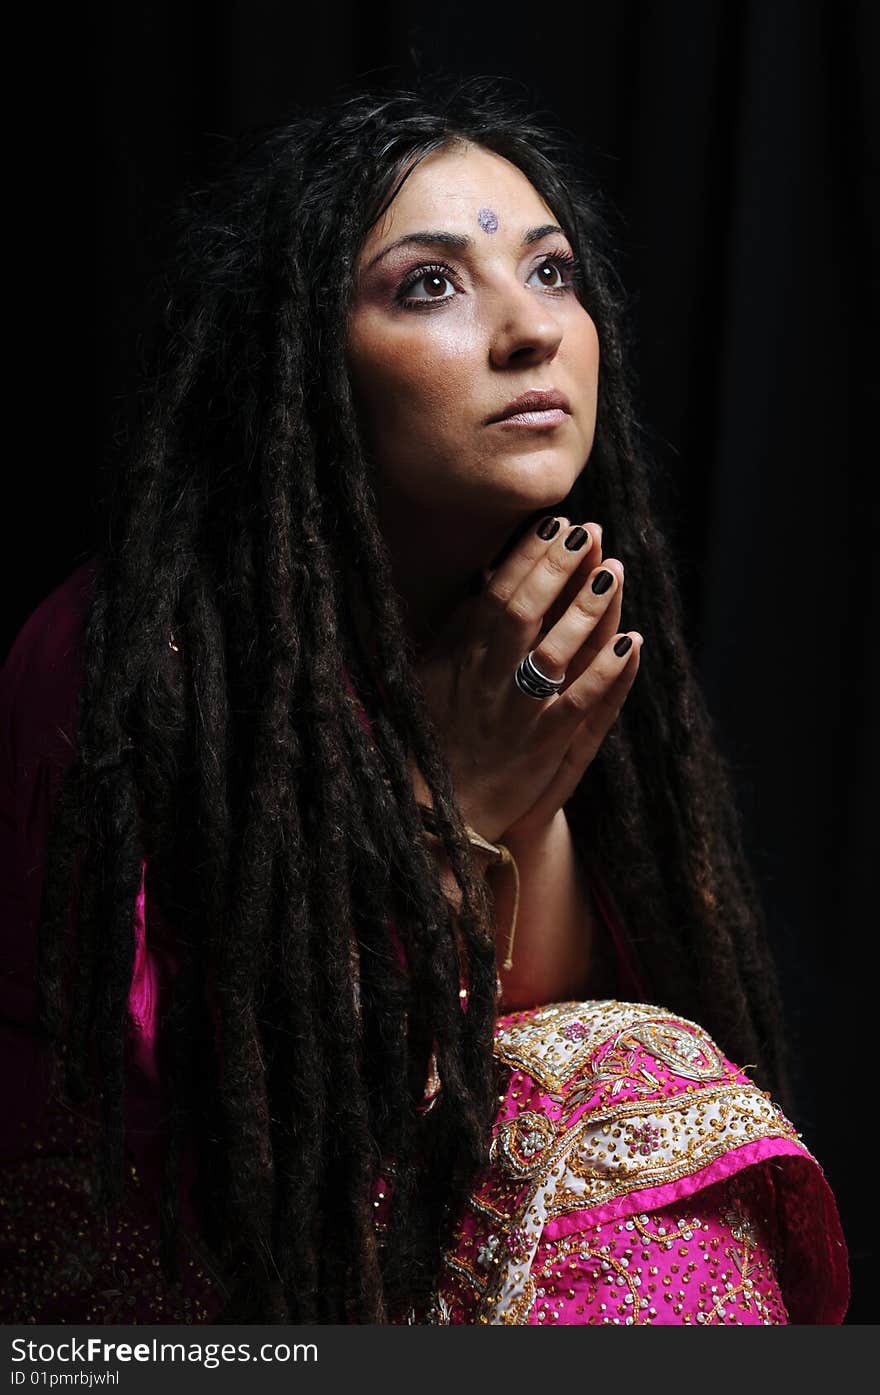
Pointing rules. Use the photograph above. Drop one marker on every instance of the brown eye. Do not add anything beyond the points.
(432, 278)
(561, 264)
(548, 271)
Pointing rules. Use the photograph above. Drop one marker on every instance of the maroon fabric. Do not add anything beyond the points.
(38, 709)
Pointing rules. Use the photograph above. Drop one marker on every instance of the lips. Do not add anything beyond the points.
(538, 401)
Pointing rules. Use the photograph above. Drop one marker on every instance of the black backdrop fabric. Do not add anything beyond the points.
(737, 143)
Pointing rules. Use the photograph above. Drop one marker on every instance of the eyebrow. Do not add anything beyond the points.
(460, 241)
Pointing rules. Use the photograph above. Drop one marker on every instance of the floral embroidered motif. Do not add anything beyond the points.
(686, 1050)
(741, 1225)
(518, 1244)
(574, 1031)
(553, 1043)
(521, 1145)
(643, 1139)
(621, 1065)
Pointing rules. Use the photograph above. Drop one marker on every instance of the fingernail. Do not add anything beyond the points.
(576, 539)
(623, 645)
(601, 582)
(548, 528)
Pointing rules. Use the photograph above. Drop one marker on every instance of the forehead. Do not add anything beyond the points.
(449, 188)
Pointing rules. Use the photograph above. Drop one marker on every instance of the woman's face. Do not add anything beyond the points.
(442, 336)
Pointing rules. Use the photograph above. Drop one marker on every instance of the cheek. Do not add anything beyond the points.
(407, 376)
(589, 351)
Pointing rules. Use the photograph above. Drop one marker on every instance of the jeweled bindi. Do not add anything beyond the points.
(488, 220)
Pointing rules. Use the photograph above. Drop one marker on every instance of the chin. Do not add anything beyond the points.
(540, 484)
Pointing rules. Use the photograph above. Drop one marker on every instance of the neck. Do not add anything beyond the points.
(438, 561)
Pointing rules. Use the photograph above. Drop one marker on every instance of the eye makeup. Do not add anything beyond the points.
(565, 262)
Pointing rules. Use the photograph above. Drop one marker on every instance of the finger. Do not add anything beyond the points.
(592, 560)
(592, 699)
(606, 630)
(520, 612)
(523, 557)
(587, 612)
(589, 734)
(504, 580)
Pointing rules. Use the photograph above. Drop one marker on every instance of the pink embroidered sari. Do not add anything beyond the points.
(636, 1176)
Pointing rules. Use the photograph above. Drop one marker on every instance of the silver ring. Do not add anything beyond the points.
(535, 684)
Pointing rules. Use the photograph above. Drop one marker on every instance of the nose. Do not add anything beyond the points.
(524, 326)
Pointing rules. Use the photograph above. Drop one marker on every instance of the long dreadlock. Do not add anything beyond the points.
(277, 837)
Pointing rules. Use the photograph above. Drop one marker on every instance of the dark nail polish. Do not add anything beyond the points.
(601, 582)
(576, 539)
(623, 645)
(548, 529)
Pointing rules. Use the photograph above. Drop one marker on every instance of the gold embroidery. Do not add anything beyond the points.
(474, 1278)
(625, 1282)
(517, 1313)
(482, 1205)
(689, 1052)
(522, 1146)
(689, 1132)
(622, 1148)
(555, 1044)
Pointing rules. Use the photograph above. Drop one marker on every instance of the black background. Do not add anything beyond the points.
(738, 144)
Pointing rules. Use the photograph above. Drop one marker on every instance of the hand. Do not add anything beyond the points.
(514, 760)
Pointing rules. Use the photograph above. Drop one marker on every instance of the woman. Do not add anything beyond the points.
(364, 756)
